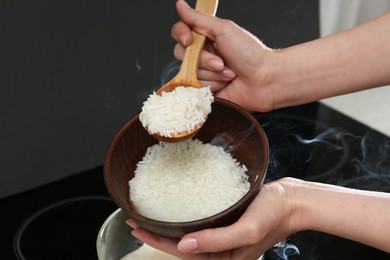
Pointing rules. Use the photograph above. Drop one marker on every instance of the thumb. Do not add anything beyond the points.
(200, 22)
(241, 51)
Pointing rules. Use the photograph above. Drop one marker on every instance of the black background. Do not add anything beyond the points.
(73, 71)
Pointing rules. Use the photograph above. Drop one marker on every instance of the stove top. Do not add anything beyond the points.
(56, 221)
(312, 142)
(317, 143)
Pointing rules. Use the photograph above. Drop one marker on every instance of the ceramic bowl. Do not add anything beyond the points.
(228, 125)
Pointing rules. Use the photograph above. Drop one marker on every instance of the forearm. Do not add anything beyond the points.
(346, 62)
(361, 216)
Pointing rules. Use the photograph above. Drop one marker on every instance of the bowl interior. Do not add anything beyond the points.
(228, 125)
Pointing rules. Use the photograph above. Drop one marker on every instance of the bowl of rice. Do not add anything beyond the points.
(172, 189)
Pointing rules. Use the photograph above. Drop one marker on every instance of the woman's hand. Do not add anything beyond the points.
(242, 69)
(267, 221)
(233, 62)
(281, 208)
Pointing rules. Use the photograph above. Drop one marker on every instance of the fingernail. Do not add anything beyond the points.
(187, 245)
(132, 224)
(216, 65)
(134, 233)
(183, 40)
(184, 3)
(228, 73)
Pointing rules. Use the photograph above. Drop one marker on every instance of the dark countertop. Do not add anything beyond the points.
(310, 142)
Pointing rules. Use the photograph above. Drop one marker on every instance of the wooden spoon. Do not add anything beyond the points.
(187, 75)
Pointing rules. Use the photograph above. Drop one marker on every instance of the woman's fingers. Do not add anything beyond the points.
(225, 75)
(181, 33)
(161, 243)
(208, 60)
(217, 239)
(200, 22)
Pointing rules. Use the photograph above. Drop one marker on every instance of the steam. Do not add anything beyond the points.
(307, 150)
(327, 137)
(370, 166)
(138, 65)
(284, 250)
(291, 153)
(169, 71)
(375, 156)
(230, 142)
(331, 139)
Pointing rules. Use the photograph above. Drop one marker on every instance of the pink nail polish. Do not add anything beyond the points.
(216, 65)
(183, 40)
(187, 245)
(184, 3)
(132, 224)
(228, 73)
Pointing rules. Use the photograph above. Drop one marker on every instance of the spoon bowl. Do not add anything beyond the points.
(187, 75)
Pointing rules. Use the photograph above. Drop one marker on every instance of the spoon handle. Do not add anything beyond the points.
(189, 66)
